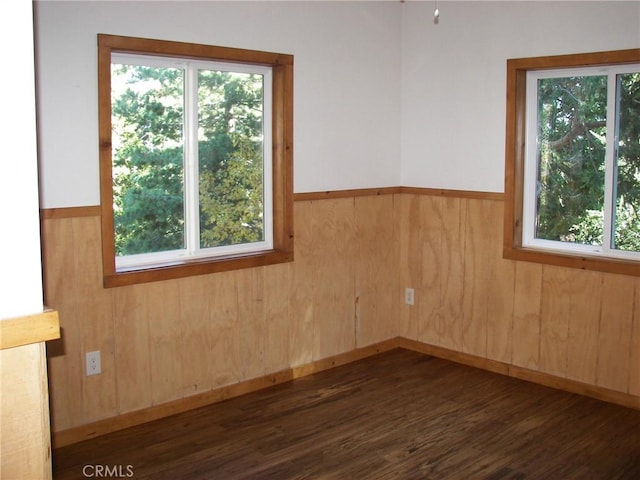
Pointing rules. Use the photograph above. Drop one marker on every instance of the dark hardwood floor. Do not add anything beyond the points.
(399, 415)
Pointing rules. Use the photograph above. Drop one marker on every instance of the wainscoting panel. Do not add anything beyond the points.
(168, 340)
(355, 254)
(573, 324)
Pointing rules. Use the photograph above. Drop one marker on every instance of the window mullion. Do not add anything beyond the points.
(191, 193)
(609, 173)
(531, 164)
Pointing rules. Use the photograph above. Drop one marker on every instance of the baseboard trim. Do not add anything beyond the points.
(541, 378)
(138, 417)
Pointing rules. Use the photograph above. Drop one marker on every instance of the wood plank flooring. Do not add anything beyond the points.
(398, 415)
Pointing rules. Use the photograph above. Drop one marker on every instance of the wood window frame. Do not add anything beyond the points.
(282, 158)
(515, 148)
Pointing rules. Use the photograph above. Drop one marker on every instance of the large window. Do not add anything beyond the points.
(573, 161)
(195, 158)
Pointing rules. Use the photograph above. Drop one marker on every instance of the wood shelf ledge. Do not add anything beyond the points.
(15, 332)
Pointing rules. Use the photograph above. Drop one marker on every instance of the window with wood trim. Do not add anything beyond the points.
(196, 162)
(572, 171)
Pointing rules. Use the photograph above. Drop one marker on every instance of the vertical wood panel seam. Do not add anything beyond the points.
(598, 352)
(567, 343)
(354, 318)
(540, 308)
(539, 317)
(80, 340)
(115, 354)
(634, 326)
(464, 270)
(513, 311)
(148, 355)
(487, 295)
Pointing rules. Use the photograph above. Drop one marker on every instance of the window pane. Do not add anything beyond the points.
(230, 156)
(626, 224)
(147, 130)
(572, 116)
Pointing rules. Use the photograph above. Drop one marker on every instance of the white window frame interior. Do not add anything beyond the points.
(531, 163)
(192, 250)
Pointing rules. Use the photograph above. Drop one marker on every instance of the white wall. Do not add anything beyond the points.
(347, 77)
(383, 96)
(453, 90)
(20, 266)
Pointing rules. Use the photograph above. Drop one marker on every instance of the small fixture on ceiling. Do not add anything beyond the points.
(436, 12)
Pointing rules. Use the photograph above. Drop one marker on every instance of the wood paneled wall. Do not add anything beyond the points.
(569, 323)
(169, 340)
(353, 257)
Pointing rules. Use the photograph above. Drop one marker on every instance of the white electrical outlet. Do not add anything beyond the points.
(408, 296)
(93, 363)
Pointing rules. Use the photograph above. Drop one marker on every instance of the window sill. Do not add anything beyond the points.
(583, 262)
(196, 267)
